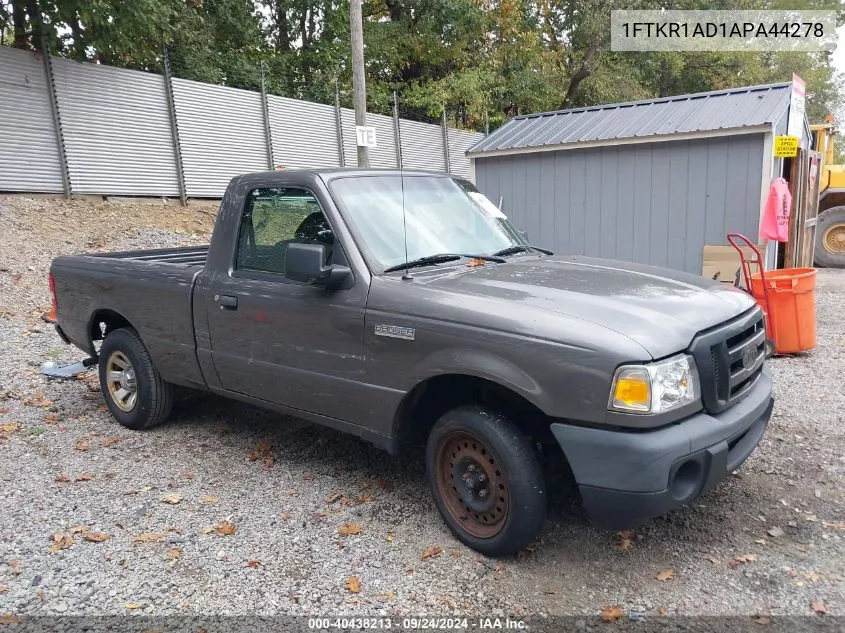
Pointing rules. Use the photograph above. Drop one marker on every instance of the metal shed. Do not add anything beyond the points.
(646, 181)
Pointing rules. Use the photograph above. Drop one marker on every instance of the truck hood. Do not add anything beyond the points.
(660, 309)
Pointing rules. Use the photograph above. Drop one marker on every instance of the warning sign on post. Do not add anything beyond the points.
(786, 146)
(366, 136)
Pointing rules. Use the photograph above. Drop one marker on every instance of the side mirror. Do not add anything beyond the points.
(306, 263)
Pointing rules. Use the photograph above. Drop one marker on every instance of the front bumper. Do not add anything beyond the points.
(627, 477)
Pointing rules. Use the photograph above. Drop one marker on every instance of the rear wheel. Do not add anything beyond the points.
(830, 239)
(486, 480)
(135, 392)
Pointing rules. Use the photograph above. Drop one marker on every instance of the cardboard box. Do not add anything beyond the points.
(723, 264)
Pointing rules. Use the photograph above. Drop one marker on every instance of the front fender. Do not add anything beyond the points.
(481, 364)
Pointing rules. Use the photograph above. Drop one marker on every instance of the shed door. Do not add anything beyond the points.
(804, 184)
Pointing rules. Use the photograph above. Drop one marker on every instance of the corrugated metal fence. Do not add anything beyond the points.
(84, 128)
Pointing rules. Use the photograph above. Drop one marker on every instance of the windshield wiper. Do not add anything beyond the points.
(520, 248)
(440, 259)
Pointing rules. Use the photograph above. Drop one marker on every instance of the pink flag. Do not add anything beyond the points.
(775, 224)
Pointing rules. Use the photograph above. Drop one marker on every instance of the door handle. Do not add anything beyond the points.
(226, 302)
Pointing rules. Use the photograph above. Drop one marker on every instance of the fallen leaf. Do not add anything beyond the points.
(308, 477)
(96, 537)
(456, 554)
(173, 498)
(628, 534)
(818, 606)
(353, 585)
(51, 418)
(364, 498)
(285, 517)
(4, 410)
(224, 528)
(37, 400)
(663, 611)
(665, 574)
(349, 529)
(82, 444)
(387, 595)
(207, 530)
(334, 498)
(3, 589)
(744, 558)
(8, 619)
(188, 475)
(712, 559)
(611, 614)
(264, 446)
(132, 605)
(148, 537)
(476, 261)
(268, 461)
(11, 426)
(63, 478)
(390, 538)
(110, 441)
(84, 477)
(431, 552)
(625, 544)
(813, 576)
(836, 525)
(77, 529)
(60, 541)
(174, 554)
(209, 499)
(254, 563)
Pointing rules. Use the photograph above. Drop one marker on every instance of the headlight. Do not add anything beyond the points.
(656, 387)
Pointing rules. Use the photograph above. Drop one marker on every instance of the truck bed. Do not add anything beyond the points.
(193, 256)
(151, 289)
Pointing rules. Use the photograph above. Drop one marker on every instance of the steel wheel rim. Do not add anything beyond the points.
(472, 484)
(834, 239)
(121, 383)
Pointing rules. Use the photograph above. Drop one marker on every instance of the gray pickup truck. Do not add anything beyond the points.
(403, 307)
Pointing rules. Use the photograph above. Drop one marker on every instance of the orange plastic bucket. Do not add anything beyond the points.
(791, 318)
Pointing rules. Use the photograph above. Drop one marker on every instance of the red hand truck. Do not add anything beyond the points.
(746, 272)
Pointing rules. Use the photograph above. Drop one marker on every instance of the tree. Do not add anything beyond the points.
(484, 61)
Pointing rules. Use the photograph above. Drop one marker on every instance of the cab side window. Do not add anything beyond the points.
(274, 218)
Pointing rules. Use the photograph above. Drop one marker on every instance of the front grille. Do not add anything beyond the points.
(729, 359)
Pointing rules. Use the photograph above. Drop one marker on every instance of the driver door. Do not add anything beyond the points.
(276, 339)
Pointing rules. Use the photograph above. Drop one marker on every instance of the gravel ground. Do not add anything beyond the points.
(767, 541)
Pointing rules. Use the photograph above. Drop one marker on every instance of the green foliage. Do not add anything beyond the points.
(484, 61)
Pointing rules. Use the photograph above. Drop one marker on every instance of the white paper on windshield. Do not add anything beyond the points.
(488, 207)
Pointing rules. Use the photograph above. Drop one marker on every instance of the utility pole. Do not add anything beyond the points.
(359, 88)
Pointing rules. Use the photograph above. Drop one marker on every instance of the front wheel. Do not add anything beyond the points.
(135, 392)
(486, 480)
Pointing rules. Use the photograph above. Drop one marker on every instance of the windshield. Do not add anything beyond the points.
(441, 215)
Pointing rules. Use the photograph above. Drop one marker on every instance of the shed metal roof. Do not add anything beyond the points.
(703, 112)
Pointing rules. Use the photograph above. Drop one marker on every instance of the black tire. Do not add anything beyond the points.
(506, 472)
(830, 222)
(153, 396)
